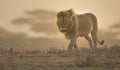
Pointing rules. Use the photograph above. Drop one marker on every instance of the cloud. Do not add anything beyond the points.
(115, 26)
(42, 14)
(50, 28)
(30, 17)
(45, 35)
(41, 22)
(114, 30)
(21, 20)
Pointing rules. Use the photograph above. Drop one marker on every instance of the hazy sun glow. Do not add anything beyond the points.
(43, 31)
(106, 12)
(44, 35)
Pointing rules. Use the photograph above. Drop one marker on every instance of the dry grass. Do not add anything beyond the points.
(56, 59)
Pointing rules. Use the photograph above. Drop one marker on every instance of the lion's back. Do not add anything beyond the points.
(87, 23)
(94, 20)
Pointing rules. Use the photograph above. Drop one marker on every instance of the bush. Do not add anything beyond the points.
(86, 60)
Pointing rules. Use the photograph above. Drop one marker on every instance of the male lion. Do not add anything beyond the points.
(74, 25)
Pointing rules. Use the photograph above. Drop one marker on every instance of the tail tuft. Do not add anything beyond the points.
(102, 42)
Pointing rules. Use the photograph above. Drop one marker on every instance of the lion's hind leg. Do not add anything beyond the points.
(88, 38)
(94, 38)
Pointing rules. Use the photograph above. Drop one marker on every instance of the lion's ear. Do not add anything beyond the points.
(71, 11)
(58, 14)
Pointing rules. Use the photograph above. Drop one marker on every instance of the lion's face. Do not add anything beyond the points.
(64, 21)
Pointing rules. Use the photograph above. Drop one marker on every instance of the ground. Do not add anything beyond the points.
(85, 59)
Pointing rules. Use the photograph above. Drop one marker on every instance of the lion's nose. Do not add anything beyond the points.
(63, 29)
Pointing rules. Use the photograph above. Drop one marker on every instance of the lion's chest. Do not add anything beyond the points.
(85, 26)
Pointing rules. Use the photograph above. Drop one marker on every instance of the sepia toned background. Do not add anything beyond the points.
(31, 24)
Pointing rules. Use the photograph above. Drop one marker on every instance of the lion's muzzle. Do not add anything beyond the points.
(63, 29)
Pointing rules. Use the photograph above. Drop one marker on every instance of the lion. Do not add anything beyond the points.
(74, 25)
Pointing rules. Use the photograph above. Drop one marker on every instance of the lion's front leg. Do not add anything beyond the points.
(72, 44)
(76, 47)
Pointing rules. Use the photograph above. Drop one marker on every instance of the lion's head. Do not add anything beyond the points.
(65, 20)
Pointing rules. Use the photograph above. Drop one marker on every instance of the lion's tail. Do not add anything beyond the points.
(101, 43)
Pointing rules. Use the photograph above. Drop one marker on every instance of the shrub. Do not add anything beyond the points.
(86, 60)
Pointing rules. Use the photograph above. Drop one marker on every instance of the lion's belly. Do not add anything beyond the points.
(84, 27)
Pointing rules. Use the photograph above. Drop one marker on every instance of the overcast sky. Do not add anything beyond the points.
(107, 11)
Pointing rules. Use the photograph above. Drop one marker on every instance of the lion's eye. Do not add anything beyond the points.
(60, 19)
(65, 20)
